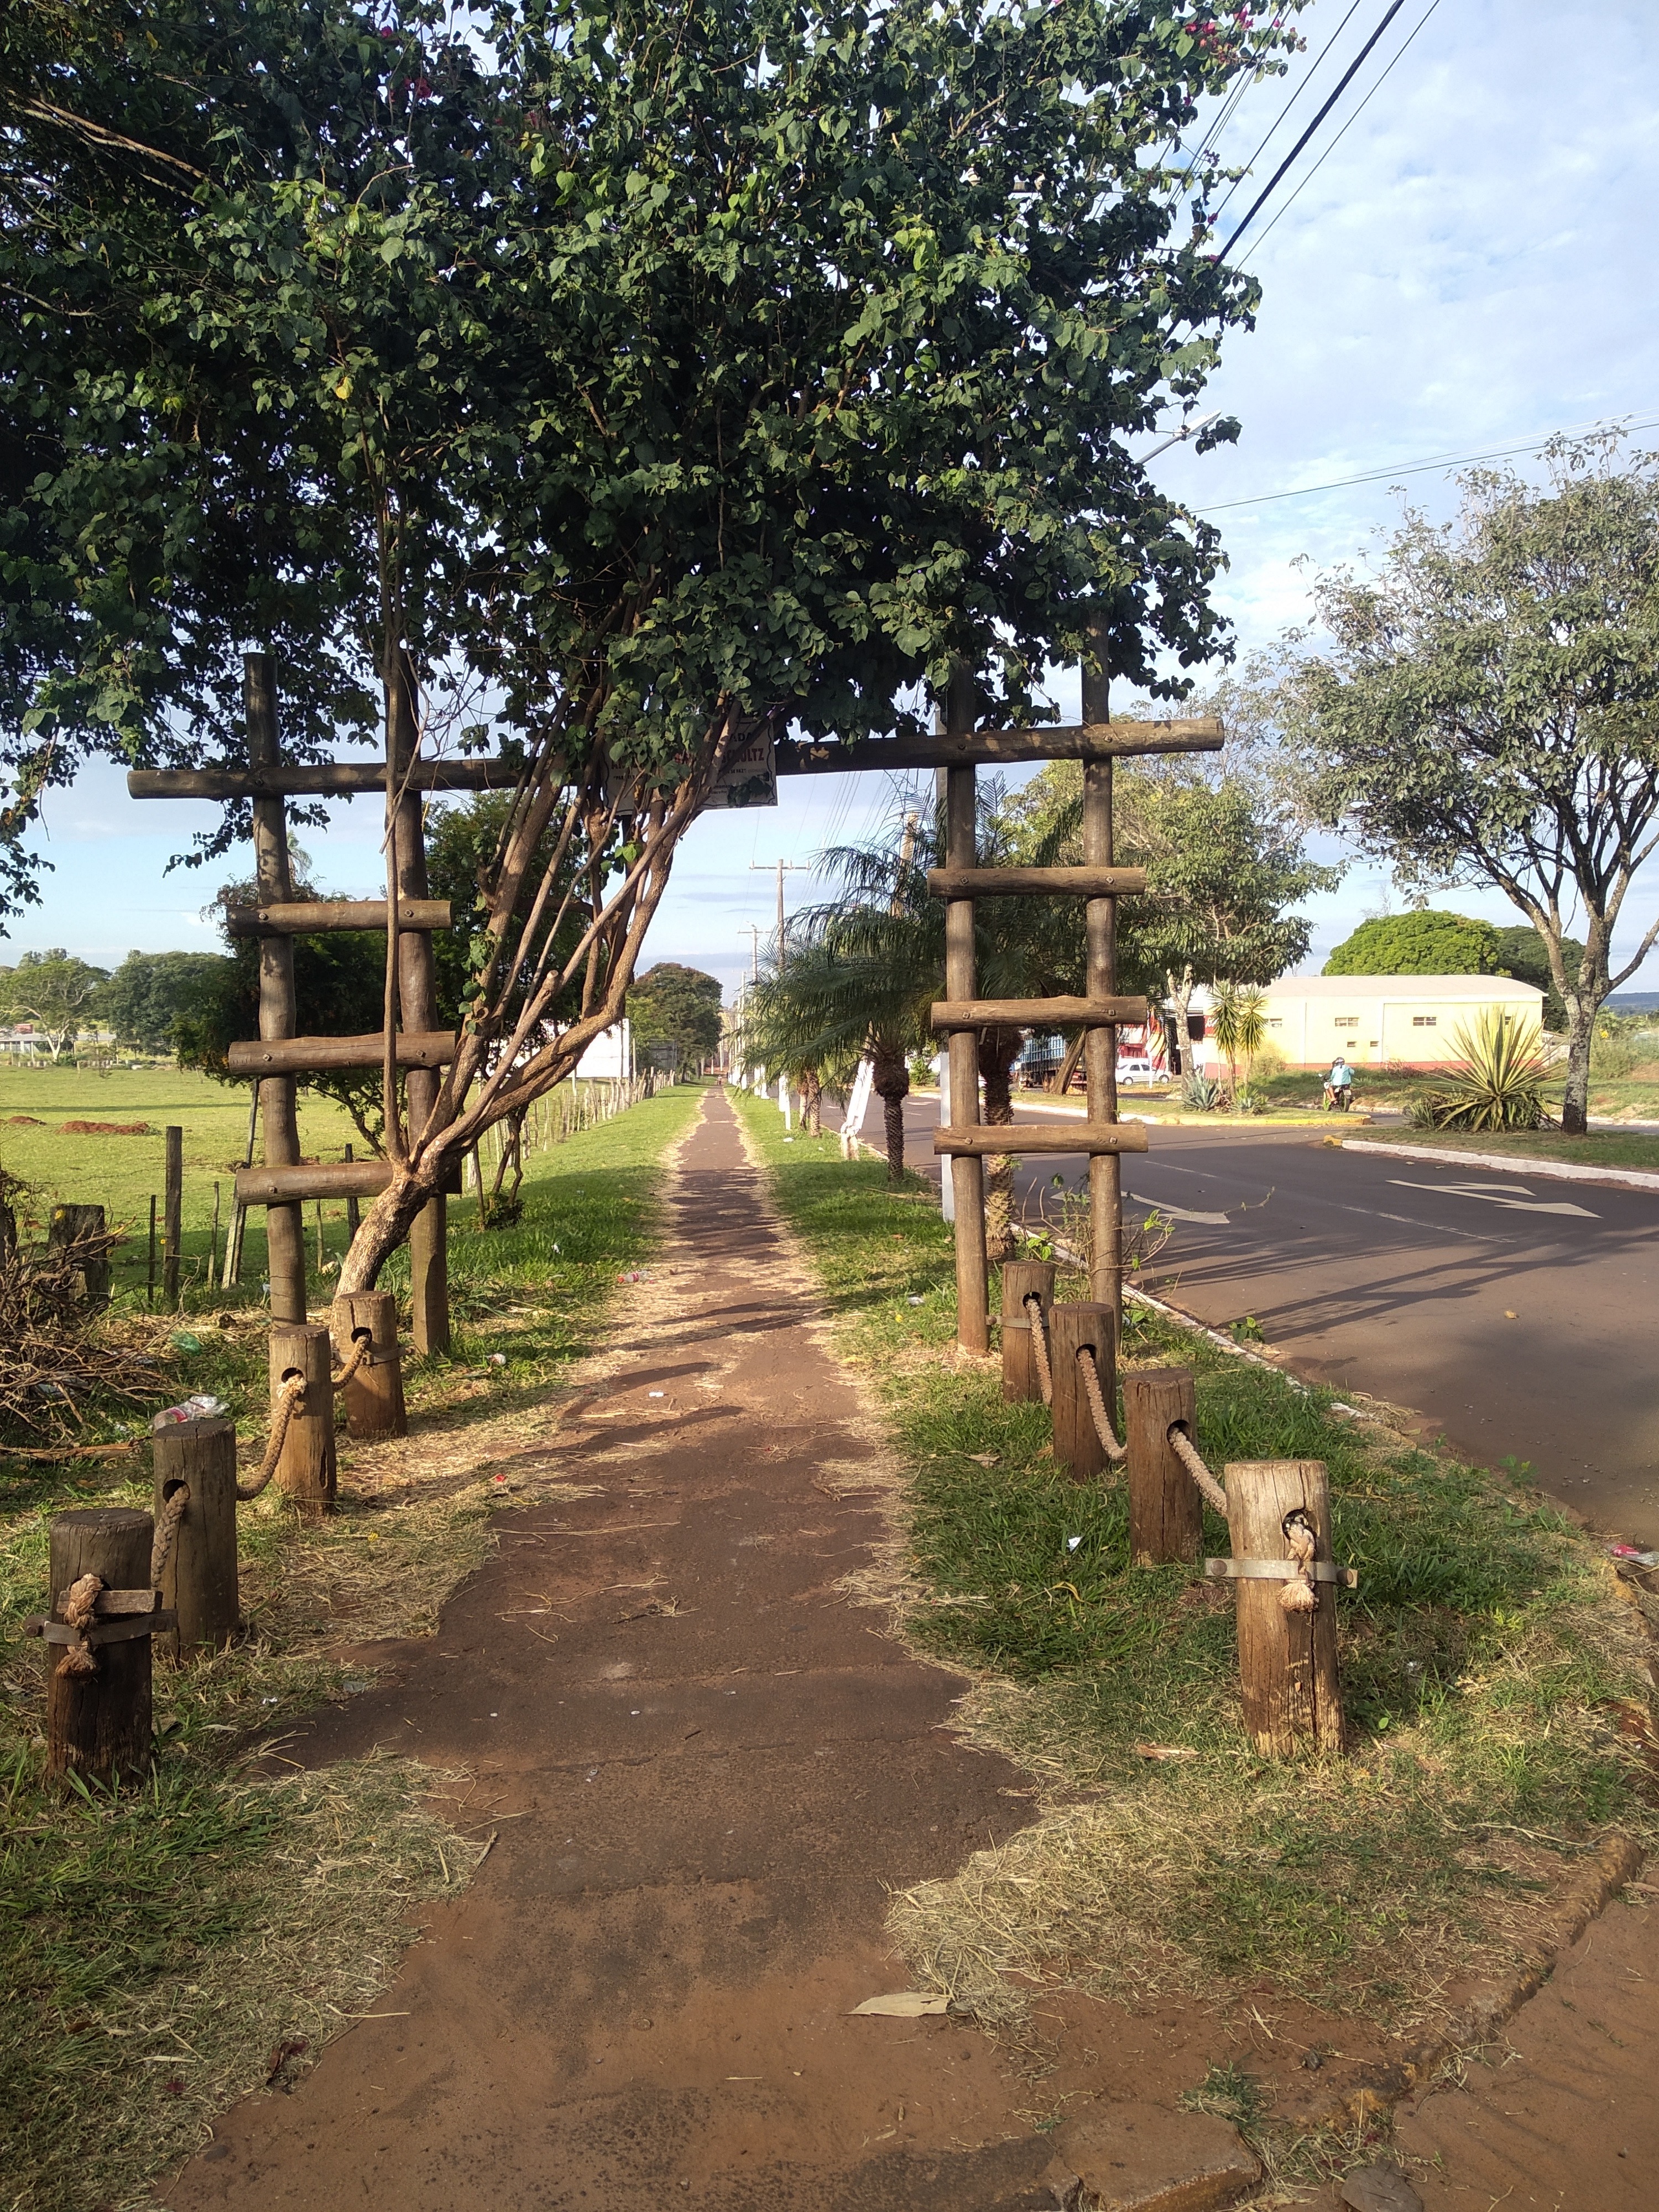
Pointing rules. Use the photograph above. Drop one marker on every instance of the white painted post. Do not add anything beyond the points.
(784, 1105)
(947, 1190)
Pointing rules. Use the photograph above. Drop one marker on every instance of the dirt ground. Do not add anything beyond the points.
(707, 1768)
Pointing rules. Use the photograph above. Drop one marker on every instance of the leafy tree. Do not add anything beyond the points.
(1425, 943)
(670, 375)
(56, 991)
(677, 1008)
(1485, 710)
(1522, 953)
(150, 992)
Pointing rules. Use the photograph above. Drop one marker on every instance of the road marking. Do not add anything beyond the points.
(1485, 1192)
(1180, 1212)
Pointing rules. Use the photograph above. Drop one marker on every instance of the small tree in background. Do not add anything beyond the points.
(676, 1010)
(1425, 943)
(55, 992)
(1486, 709)
(151, 992)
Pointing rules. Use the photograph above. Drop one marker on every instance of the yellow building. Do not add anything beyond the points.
(1374, 1020)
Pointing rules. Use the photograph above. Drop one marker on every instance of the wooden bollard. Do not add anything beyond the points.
(1023, 1279)
(1286, 1660)
(305, 1468)
(1166, 1513)
(98, 1725)
(1077, 1440)
(374, 1395)
(198, 1580)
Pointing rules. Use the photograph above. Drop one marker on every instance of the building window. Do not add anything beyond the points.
(1275, 1021)
(1426, 1021)
(1344, 1021)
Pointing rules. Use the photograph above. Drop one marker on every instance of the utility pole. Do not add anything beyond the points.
(753, 930)
(784, 868)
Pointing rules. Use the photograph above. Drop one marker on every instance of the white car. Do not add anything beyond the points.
(1139, 1071)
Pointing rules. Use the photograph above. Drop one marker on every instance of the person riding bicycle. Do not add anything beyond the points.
(1338, 1085)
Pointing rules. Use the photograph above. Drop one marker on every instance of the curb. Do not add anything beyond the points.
(1511, 1163)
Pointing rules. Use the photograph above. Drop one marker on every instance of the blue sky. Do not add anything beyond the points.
(1462, 273)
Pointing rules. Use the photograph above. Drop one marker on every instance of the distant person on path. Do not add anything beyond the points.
(1338, 1085)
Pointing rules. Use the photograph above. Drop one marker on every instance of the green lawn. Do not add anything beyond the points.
(1486, 1657)
(157, 1947)
(1607, 1148)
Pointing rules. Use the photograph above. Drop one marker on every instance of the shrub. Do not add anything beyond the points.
(1499, 1082)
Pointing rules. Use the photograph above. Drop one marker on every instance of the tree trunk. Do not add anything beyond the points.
(998, 1051)
(386, 1225)
(1580, 1029)
(891, 1084)
(811, 1101)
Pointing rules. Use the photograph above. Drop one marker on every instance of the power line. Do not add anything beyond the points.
(1313, 70)
(1258, 243)
(1439, 461)
(1347, 78)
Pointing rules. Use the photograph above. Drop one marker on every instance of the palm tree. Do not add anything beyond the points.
(1239, 1013)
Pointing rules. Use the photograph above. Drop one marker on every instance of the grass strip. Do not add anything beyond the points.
(1597, 1148)
(1492, 1669)
(159, 1948)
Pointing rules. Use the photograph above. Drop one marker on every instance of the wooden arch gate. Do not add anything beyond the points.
(282, 1184)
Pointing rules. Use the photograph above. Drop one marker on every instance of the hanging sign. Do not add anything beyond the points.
(749, 777)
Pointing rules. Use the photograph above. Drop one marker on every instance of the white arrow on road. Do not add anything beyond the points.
(1516, 1196)
(1180, 1212)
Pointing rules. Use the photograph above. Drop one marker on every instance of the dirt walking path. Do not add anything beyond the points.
(706, 1766)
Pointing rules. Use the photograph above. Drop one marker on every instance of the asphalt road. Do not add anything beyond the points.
(1514, 1314)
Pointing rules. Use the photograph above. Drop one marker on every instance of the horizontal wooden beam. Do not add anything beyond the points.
(1041, 1136)
(322, 1055)
(305, 917)
(1035, 883)
(323, 1179)
(1036, 1013)
(1003, 747)
(321, 779)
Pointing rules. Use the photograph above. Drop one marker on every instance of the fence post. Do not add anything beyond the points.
(172, 1218)
(66, 1231)
(98, 1724)
(198, 1583)
(1166, 1514)
(1286, 1660)
(305, 1467)
(374, 1395)
(1022, 1278)
(1081, 1323)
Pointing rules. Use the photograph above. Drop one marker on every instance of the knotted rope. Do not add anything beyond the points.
(167, 1528)
(361, 1350)
(1187, 1452)
(1299, 1595)
(1040, 1347)
(79, 1607)
(288, 1397)
(1103, 1420)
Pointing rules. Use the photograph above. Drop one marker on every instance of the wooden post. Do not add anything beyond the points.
(428, 1238)
(1022, 1278)
(67, 1228)
(1166, 1513)
(1100, 1047)
(213, 1242)
(285, 1237)
(1286, 1660)
(98, 1725)
(149, 1283)
(374, 1395)
(305, 1468)
(1077, 1440)
(172, 1218)
(967, 1174)
(199, 1582)
(354, 1212)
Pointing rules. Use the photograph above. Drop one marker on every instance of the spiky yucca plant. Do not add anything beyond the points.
(1499, 1084)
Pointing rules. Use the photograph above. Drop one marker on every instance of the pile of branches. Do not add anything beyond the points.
(53, 1357)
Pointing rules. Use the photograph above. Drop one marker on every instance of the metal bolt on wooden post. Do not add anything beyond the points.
(98, 1725)
(198, 1583)
(374, 1395)
(1071, 1327)
(1023, 1279)
(172, 1218)
(1166, 1513)
(1286, 1660)
(304, 1469)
